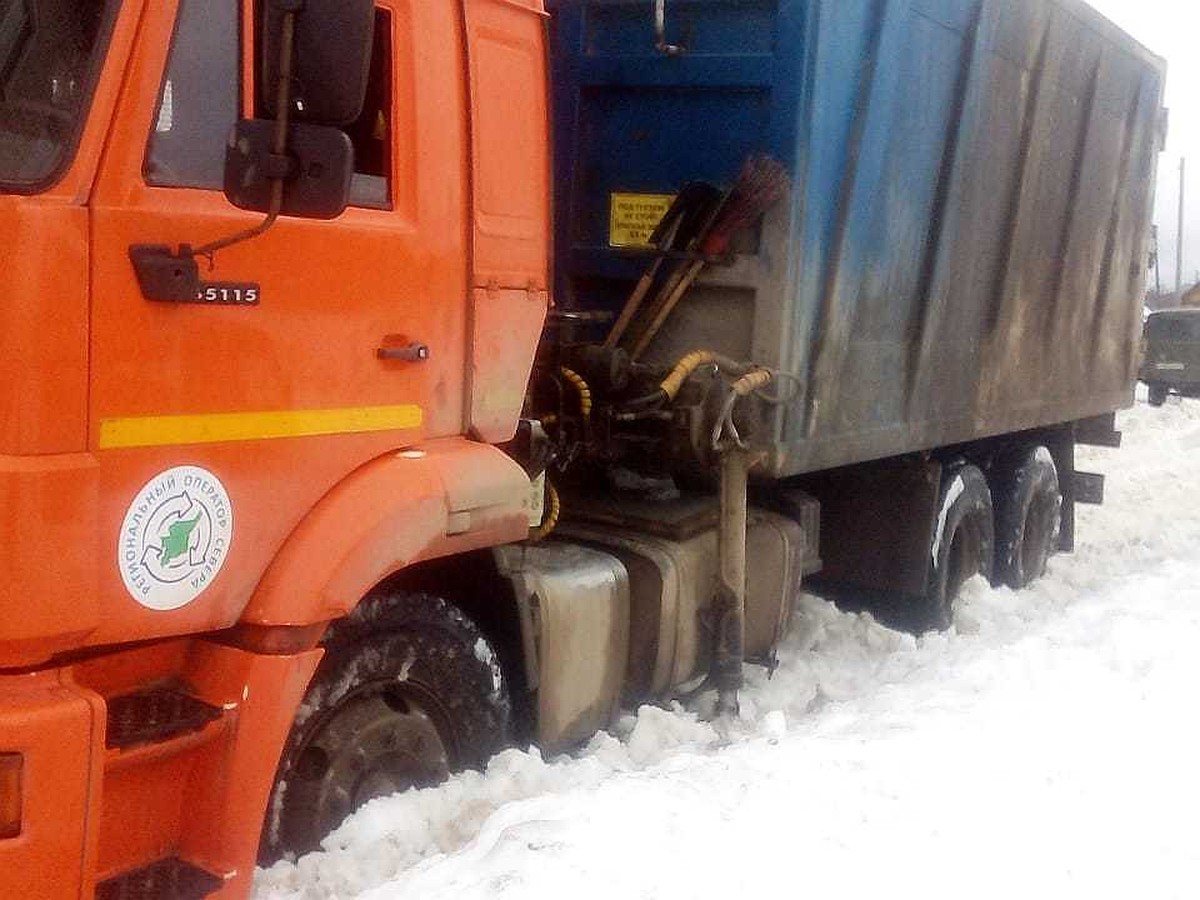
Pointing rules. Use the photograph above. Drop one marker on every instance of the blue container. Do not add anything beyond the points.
(962, 251)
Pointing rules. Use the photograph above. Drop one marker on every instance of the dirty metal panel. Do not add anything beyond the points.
(582, 602)
(1089, 488)
(962, 253)
(1100, 431)
(877, 524)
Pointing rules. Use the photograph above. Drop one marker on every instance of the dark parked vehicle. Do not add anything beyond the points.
(1172, 361)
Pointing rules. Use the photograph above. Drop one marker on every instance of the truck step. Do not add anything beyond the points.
(167, 879)
(155, 715)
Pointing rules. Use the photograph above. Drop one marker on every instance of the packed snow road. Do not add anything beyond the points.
(1048, 745)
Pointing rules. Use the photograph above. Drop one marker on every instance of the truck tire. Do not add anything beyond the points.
(963, 545)
(409, 691)
(1028, 517)
(1158, 394)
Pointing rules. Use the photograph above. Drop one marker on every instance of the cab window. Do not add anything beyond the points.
(51, 53)
(371, 132)
(199, 99)
(1184, 327)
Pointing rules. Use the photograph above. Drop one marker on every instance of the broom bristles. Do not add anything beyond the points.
(761, 183)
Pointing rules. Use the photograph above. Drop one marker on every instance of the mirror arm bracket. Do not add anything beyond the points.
(280, 166)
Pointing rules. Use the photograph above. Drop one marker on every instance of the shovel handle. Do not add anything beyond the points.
(666, 308)
(632, 305)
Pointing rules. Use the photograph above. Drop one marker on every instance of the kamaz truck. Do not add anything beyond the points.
(384, 383)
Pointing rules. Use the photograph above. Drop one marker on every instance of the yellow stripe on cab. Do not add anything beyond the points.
(214, 428)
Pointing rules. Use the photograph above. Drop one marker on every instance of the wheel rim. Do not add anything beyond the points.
(379, 740)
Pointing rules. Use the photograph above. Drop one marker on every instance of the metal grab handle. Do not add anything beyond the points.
(410, 353)
(660, 31)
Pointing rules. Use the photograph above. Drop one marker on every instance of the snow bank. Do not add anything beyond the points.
(1045, 745)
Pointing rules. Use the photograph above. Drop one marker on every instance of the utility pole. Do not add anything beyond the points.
(1179, 236)
(1157, 275)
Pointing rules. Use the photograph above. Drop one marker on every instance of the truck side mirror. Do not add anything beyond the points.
(331, 62)
(316, 58)
(316, 170)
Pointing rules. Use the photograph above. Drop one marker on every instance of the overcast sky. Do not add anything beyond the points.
(1171, 28)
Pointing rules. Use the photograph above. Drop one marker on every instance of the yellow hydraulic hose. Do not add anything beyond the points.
(585, 392)
(687, 367)
(725, 430)
(684, 370)
(550, 520)
(753, 381)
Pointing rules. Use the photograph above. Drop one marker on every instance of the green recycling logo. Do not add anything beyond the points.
(175, 537)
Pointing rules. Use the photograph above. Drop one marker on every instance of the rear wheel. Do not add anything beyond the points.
(408, 692)
(963, 546)
(1028, 517)
(1158, 394)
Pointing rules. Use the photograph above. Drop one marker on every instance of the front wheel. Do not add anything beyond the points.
(1158, 394)
(408, 692)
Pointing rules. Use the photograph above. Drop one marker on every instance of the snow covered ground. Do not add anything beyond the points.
(1048, 746)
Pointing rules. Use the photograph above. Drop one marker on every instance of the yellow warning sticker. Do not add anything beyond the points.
(633, 218)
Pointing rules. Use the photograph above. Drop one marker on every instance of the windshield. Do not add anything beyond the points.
(1174, 327)
(49, 56)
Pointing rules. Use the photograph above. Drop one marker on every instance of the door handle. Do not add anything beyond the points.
(407, 353)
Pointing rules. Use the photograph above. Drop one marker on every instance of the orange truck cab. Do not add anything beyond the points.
(189, 487)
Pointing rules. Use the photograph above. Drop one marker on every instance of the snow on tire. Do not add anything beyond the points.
(408, 692)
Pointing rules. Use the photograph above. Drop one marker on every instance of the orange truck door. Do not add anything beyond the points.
(273, 384)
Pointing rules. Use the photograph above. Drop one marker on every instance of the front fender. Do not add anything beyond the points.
(448, 497)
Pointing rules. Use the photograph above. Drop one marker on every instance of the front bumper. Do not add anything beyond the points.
(1175, 375)
(57, 727)
(95, 809)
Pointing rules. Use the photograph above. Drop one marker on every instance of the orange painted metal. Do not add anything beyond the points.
(229, 790)
(43, 278)
(58, 729)
(90, 814)
(447, 497)
(274, 639)
(458, 263)
(12, 794)
(149, 795)
(505, 331)
(510, 206)
(201, 796)
(511, 221)
(331, 293)
(49, 555)
(44, 329)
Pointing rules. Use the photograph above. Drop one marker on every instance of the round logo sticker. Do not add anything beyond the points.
(175, 537)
